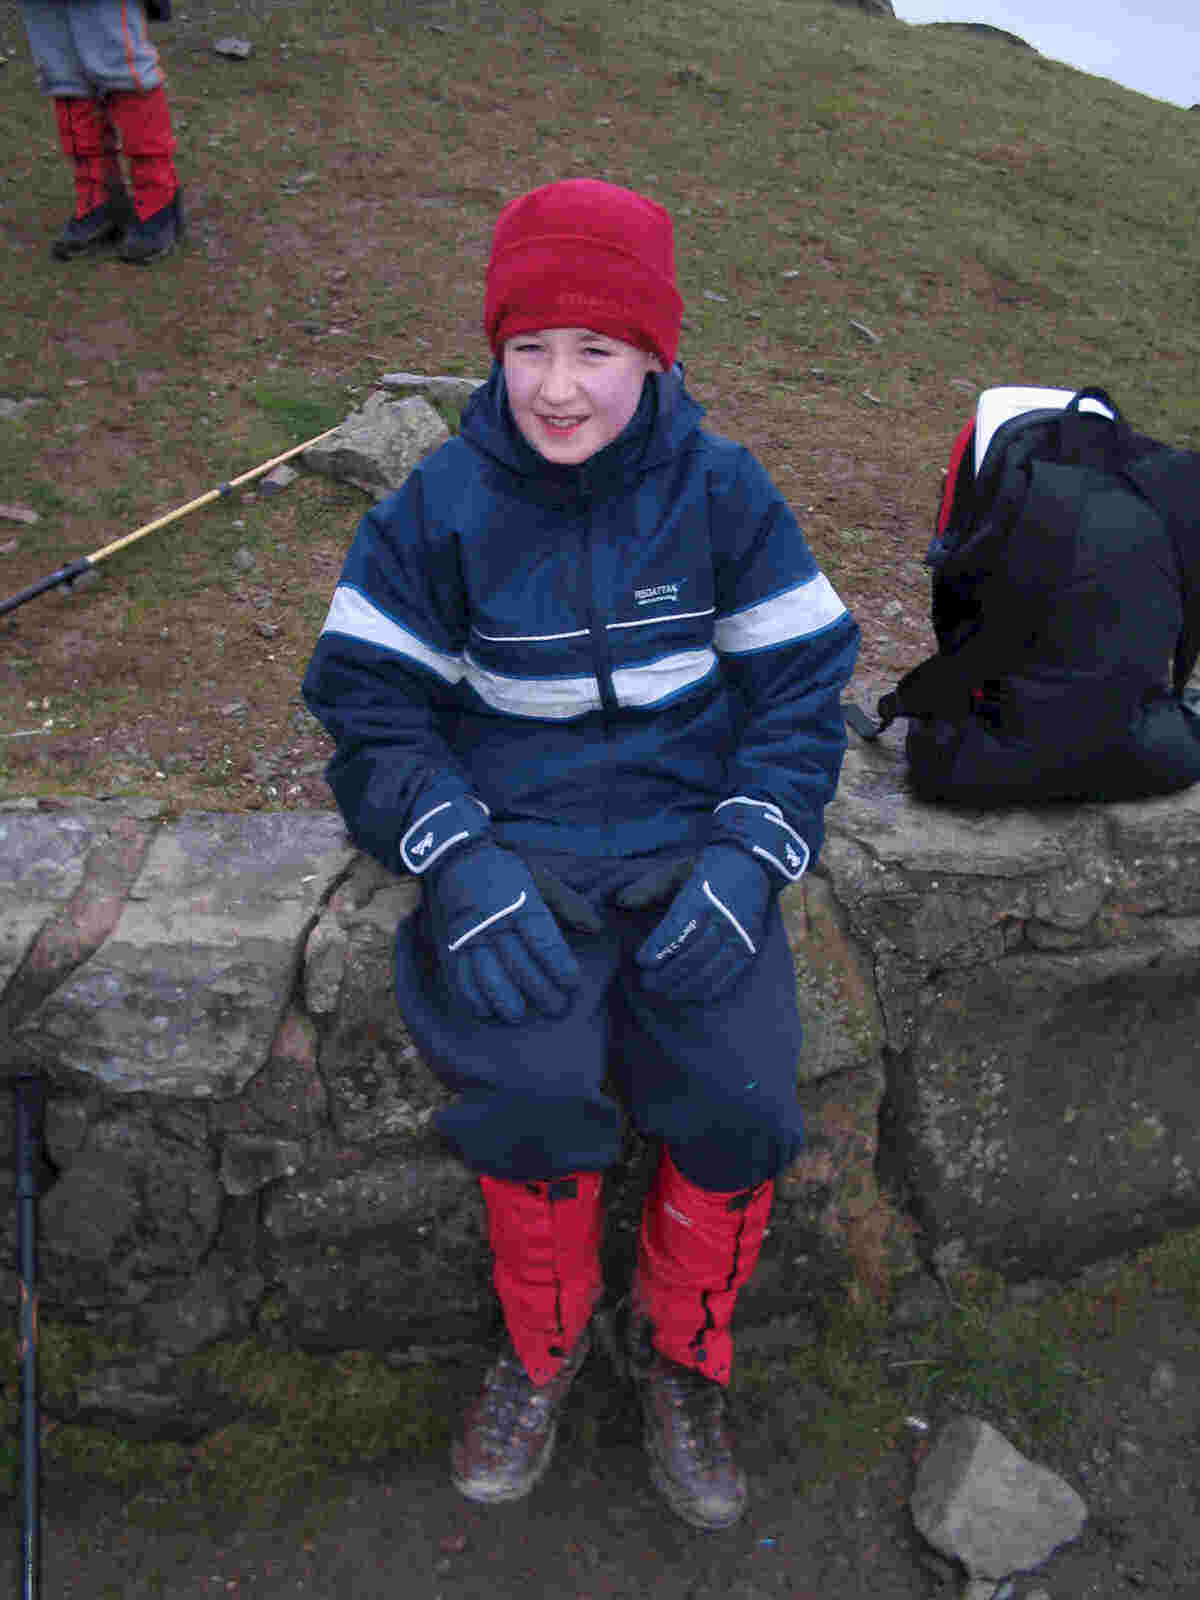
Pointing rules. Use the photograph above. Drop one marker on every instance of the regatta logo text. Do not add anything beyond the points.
(421, 845)
(659, 593)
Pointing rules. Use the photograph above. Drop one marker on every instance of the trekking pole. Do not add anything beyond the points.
(29, 1097)
(77, 568)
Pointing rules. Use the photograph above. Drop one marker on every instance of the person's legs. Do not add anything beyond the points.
(545, 1240)
(61, 71)
(114, 44)
(85, 133)
(101, 204)
(143, 120)
(718, 1086)
(697, 1248)
(528, 1098)
(531, 1119)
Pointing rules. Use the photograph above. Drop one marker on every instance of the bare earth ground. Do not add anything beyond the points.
(595, 1530)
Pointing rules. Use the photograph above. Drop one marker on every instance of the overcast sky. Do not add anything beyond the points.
(1152, 46)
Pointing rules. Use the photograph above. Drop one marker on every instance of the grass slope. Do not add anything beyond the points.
(988, 215)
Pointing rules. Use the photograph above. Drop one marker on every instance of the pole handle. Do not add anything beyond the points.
(64, 575)
(30, 1094)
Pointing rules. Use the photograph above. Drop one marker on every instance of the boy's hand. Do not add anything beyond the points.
(501, 949)
(713, 929)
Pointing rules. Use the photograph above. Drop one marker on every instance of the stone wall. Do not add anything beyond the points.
(999, 1070)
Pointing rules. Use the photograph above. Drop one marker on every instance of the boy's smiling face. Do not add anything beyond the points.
(573, 391)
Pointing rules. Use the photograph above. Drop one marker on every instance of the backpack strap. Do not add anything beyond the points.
(1088, 439)
(960, 479)
(1094, 392)
(1170, 480)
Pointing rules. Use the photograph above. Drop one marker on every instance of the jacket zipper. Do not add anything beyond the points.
(601, 654)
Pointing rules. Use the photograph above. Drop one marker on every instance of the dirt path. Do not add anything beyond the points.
(594, 1530)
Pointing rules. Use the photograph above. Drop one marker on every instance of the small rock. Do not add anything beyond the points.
(236, 49)
(456, 390)
(267, 630)
(13, 409)
(865, 333)
(1164, 1380)
(242, 560)
(276, 482)
(85, 580)
(24, 514)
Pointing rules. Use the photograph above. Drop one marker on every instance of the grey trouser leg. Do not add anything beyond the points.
(88, 47)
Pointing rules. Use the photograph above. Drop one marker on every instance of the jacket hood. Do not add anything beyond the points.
(666, 416)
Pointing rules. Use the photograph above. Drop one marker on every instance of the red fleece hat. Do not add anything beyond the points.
(584, 254)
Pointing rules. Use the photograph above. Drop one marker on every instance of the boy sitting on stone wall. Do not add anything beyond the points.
(584, 678)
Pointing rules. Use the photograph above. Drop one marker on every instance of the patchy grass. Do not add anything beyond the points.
(305, 1416)
(1025, 1368)
(991, 216)
(336, 1412)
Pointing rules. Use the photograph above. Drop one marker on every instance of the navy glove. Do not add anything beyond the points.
(501, 949)
(713, 928)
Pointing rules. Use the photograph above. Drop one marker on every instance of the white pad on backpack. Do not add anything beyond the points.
(997, 406)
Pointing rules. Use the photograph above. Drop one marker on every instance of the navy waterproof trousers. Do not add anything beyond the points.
(535, 1100)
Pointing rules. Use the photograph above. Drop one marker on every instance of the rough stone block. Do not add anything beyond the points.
(185, 996)
(376, 1253)
(379, 444)
(980, 1501)
(1045, 1119)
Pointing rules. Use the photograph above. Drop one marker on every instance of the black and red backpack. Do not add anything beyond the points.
(1066, 607)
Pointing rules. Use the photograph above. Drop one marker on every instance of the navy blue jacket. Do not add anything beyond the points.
(599, 655)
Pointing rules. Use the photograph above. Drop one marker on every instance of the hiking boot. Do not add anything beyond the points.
(82, 234)
(508, 1436)
(687, 1443)
(146, 241)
